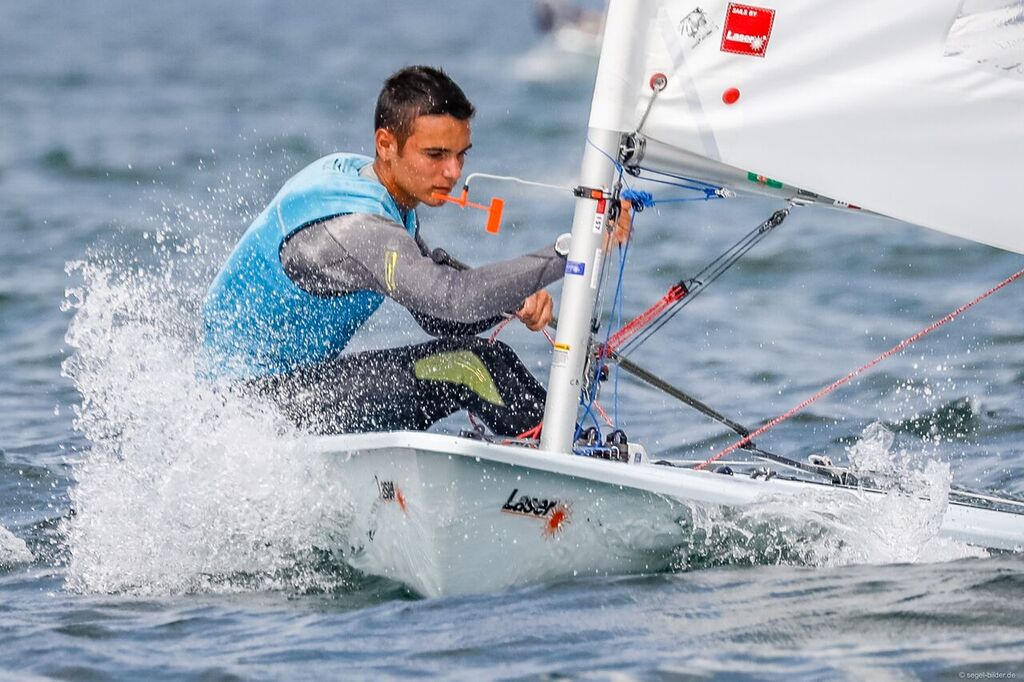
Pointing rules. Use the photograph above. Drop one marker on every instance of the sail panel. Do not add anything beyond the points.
(874, 103)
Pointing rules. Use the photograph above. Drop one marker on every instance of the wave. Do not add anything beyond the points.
(62, 161)
(13, 550)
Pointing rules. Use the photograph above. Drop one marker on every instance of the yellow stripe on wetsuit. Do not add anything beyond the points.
(460, 367)
(390, 265)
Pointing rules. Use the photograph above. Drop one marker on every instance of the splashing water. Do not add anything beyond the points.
(872, 454)
(13, 549)
(186, 487)
(900, 524)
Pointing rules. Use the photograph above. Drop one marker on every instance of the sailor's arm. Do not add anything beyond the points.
(397, 268)
(370, 252)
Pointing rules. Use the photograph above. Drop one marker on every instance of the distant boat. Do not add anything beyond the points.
(568, 47)
(571, 28)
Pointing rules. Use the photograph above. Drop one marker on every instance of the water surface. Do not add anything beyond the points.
(140, 139)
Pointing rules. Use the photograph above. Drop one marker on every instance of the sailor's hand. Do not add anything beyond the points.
(536, 312)
(624, 223)
(620, 230)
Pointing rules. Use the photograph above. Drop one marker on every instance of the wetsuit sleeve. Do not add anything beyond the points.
(435, 326)
(365, 252)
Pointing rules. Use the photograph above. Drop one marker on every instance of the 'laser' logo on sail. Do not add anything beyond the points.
(747, 29)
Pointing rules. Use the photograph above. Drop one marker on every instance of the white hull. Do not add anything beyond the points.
(446, 515)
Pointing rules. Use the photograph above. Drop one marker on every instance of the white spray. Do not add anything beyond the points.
(185, 487)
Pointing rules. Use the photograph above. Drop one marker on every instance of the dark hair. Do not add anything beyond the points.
(418, 91)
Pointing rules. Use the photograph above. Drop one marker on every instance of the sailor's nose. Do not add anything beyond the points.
(452, 170)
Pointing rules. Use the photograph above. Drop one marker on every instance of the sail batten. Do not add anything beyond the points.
(876, 103)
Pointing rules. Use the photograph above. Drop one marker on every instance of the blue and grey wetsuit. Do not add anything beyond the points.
(312, 269)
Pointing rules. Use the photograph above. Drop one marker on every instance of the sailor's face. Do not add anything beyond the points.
(430, 161)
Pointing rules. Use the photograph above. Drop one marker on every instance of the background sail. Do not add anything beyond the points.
(912, 109)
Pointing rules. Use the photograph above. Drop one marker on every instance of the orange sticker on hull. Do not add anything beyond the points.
(559, 517)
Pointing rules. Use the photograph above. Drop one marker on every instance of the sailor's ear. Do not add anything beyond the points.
(386, 144)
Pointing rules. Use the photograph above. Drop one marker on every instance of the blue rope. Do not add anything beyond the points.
(618, 166)
(708, 192)
(646, 199)
(678, 177)
(590, 413)
(640, 199)
(617, 310)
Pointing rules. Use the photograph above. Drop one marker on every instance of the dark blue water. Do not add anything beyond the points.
(138, 139)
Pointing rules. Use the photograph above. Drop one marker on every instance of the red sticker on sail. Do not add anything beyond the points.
(747, 29)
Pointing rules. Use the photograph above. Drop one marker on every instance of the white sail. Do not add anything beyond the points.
(912, 109)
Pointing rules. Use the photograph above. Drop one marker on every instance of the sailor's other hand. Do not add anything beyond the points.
(623, 223)
(536, 312)
(620, 232)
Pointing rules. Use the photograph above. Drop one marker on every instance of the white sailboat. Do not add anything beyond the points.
(848, 105)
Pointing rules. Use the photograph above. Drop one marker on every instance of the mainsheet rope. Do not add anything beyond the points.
(836, 384)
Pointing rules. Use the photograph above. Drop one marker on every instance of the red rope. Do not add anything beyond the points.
(532, 433)
(674, 295)
(604, 415)
(497, 330)
(889, 353)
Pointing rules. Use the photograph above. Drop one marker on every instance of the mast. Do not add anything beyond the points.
(572, 340)
(618, 69)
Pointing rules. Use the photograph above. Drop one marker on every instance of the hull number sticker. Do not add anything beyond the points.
(387, 491)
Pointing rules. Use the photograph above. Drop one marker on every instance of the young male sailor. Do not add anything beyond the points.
(340, 236)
